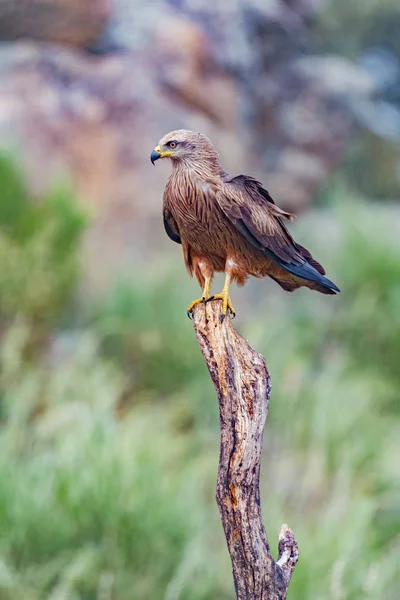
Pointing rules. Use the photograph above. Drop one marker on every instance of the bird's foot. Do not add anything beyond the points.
(227, 305)
(191, 306)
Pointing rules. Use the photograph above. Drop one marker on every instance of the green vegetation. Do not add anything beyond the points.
(37, 248)
(109, 435)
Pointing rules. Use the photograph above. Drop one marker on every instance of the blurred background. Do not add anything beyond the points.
(109, 432)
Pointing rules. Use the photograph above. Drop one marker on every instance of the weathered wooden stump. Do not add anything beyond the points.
(243, 387)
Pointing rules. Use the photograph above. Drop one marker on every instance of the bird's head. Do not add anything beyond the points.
(185, 147)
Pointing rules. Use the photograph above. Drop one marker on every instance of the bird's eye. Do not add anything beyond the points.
(172, 144)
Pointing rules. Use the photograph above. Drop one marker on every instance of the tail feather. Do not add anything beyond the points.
(308, 272)
(310, 259)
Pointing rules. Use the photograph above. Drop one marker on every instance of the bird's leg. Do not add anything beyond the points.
(206, 291)
(204, 298)
(226, 301)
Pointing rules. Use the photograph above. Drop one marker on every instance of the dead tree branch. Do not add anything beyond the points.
(243, 387)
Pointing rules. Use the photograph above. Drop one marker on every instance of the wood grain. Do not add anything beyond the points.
(243, 386)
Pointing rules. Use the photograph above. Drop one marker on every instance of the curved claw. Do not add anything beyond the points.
(226, 306)
(191, 306)
(231, 314)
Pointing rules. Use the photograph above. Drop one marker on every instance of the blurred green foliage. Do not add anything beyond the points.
(38, 245)
(109, 435)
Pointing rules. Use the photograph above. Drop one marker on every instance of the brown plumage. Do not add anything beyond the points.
(229, 223)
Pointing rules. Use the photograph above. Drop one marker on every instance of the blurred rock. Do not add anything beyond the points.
(97, 120)
(72, 22)
(242, 74)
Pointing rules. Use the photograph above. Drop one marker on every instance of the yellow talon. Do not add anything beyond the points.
(203, 299)
(226, 301)
(192, 305)
(224, 296)
(226, 304)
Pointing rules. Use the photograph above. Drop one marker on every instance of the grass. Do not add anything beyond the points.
(109, 436)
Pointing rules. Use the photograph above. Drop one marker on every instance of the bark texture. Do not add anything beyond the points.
(243, 386)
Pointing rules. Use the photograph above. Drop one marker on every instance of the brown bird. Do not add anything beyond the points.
(229, 223)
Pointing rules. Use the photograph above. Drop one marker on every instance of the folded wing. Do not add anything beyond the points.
(171, 226)
(253, 212)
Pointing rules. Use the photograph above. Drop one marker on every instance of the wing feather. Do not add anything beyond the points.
(253, 212)
(171, 226)
(250, 207)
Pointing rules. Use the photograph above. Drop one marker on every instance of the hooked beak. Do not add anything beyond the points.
(156, 154)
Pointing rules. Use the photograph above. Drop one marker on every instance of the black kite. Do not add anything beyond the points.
(229, 223)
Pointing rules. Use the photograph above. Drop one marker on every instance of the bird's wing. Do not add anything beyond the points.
(171, 226)
(253, 212)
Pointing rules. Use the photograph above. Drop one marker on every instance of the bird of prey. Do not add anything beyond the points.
(229, 223)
